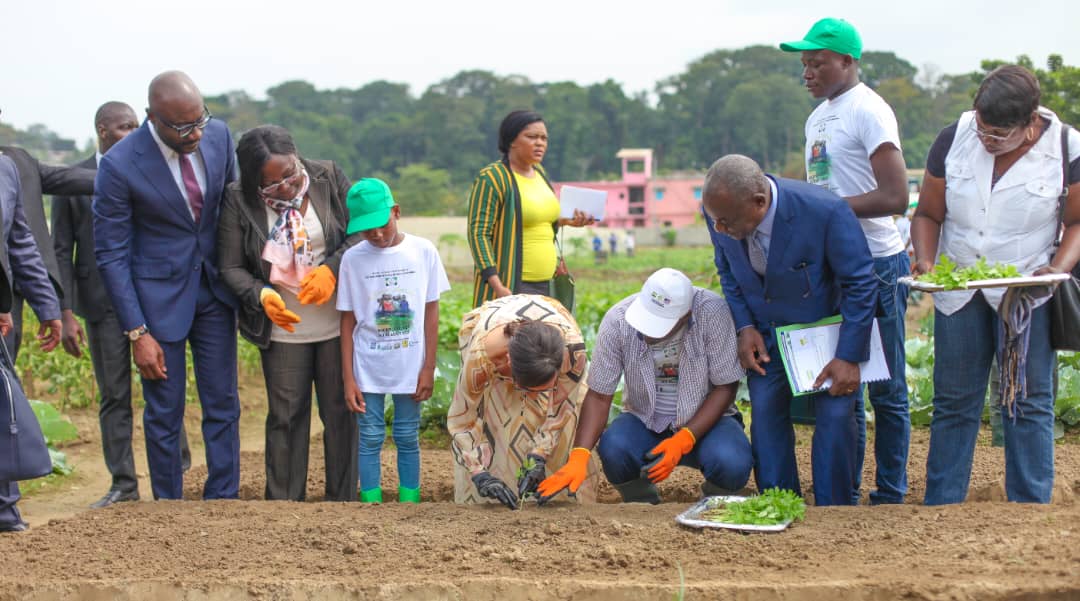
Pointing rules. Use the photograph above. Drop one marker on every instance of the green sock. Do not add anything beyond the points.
(371, 496)
(408, 495)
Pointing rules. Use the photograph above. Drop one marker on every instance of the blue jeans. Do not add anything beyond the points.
(405, 431)
(892, 419)
(964, 346)
(723, 454)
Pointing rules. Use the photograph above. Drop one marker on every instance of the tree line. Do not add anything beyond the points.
(749, 100)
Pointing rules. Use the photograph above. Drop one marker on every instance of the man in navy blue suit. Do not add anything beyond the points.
(791, 252)
(156, 202)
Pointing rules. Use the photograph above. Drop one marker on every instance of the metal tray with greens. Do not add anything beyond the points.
(772, 511)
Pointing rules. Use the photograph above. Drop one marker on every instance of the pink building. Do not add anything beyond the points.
(641, 200)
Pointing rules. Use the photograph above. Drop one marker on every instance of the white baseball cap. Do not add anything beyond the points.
(662, 302)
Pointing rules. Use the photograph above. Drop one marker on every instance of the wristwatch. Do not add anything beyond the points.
(137, 333)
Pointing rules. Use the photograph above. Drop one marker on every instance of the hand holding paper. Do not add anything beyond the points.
(584, 200)
(842, 377)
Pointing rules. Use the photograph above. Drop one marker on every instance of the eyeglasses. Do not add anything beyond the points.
(997, 137)
(290, 181)
(185, 129)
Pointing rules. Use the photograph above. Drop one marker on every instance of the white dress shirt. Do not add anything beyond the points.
(172, 159)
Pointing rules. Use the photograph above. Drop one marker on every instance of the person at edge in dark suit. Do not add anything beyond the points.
(36, 179)
(157, 197)
(791, 252)
(22, 268)
(85, 295)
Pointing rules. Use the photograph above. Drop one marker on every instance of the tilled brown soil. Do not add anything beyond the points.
(247, 550)
(438, 550)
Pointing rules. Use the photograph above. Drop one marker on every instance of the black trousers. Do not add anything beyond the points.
(290, 369)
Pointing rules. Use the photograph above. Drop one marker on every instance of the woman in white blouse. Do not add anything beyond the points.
(991, 192)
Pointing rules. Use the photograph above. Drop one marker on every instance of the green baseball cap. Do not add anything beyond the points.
(829, 34)
(369, 202)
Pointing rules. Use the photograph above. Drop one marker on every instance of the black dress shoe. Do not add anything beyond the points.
(16, 527)
(115, 496)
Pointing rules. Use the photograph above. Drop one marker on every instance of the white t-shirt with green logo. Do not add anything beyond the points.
(841, 135)
(388, 289)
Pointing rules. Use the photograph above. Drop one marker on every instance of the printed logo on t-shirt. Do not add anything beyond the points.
(667, 368)
(819, 167)
(391, 310)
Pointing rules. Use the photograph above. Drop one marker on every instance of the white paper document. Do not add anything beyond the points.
(807, 350)
(588, 201)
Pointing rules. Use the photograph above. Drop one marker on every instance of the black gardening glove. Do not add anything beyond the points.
(491, 487)
(528, 482)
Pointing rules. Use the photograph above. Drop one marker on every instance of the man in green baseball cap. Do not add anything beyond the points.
(370, 203)
(829, 34)
(853, 149)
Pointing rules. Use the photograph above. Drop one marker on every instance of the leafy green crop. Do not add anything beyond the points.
(774, 506)
(947, 274)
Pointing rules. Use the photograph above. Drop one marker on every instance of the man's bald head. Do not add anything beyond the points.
(173, 87)
(176, 105)
(735, 195)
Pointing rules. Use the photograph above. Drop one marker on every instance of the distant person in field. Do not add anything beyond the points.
(281, 238)
(991, 192)
(517, 400)
(23, 268)
(613, 242)
(853, 150)
(157, 198)
(789, 252)
(514, 215)
(630, 243)
(675, 346)
(388, 347)
(86, 296)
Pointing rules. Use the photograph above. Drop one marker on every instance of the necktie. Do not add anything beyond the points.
(756, 254)
(195, 198)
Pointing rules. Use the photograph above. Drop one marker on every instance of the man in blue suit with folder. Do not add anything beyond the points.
(156, 202)
(789, 252)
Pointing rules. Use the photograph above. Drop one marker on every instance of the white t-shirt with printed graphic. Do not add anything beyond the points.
(387, 289)
(841, 136)
(666, 355)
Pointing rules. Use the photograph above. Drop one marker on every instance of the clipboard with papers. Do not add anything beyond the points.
(807, 348)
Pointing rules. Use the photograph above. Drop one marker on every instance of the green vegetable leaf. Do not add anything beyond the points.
(774, 506)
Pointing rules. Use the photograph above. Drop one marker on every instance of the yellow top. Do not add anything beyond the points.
(539, 209)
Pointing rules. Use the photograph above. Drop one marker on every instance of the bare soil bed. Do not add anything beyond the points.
(254, 549)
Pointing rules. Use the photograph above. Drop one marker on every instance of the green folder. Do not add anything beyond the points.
(780, 343)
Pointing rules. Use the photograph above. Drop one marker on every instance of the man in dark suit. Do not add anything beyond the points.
(36, 179)
(110, 351)
(23, 269)
(156, 203)
(791, 252)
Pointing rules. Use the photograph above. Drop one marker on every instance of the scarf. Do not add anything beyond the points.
(1014, 335)
(288, 248)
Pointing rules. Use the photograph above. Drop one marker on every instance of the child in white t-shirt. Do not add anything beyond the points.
(388, 294)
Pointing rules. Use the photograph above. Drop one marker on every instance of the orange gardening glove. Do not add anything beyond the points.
(665, 456)
(317, 286)
(570, 475)
(275, 309)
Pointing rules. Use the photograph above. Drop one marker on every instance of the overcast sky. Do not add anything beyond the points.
(63, 58)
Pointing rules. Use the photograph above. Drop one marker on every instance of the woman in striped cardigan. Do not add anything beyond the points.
(514, 215)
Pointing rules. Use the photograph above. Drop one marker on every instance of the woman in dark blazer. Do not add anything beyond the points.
(281, 239)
